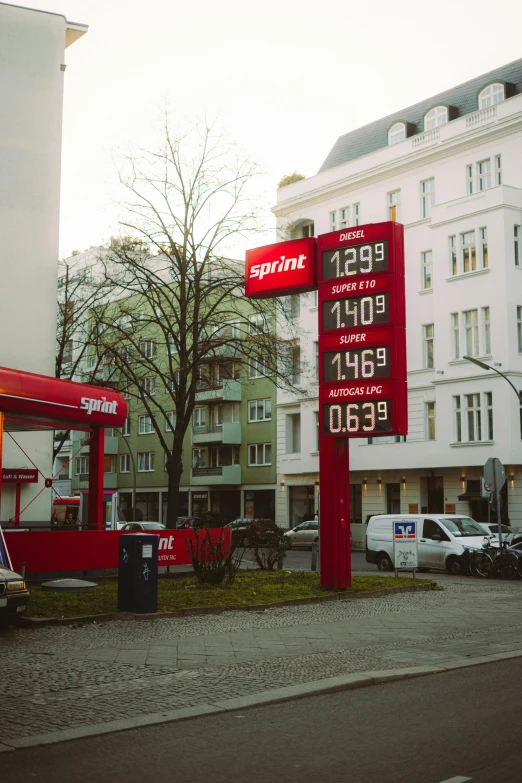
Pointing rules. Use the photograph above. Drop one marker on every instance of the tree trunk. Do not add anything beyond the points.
(174, 471)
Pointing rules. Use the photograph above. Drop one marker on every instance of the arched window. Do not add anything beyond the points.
(493, 93)
(397, 133)
(435, 117)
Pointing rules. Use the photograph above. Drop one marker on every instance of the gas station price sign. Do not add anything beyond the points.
(362, 336)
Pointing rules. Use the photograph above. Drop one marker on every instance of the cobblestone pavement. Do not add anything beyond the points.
(64, 677)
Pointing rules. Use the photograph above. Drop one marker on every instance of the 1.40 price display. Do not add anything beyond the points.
(357, 417)
(355, 260)
(359, 363)
(356, 311)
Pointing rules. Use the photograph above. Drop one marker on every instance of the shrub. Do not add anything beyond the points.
(289, 179)
(212, 559)
(268, 542)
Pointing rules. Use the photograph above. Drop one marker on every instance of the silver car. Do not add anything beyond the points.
(304, 534)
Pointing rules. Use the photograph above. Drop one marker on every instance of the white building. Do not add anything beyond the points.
(32, 44)
(449, 169)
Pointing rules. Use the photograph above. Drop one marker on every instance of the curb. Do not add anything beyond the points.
(274, 696)
(44, 622)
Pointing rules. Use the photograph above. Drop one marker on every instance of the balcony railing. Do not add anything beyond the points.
(207, 471)
(480, 117)
(422, 139)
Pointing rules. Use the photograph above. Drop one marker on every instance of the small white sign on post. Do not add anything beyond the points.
(405, 545)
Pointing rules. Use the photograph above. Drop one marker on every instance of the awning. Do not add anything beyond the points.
(473, 491)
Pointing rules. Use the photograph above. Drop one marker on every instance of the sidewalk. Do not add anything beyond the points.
(60, 682)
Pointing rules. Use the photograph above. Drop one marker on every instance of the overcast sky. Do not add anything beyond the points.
(287, 77)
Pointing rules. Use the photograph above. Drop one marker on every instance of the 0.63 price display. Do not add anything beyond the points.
(356, 311)
(355, 260)
(357, 417)
(356, 364)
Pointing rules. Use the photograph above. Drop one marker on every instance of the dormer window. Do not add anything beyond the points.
(435, 117)
(493, 93)
(397, 133)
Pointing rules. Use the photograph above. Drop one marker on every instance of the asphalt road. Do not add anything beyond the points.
(301, 559)
(458, 726)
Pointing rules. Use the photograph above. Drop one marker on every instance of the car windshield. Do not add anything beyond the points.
(462, 526)
(152, 526)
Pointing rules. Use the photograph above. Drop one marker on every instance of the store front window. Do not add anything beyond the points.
(302, 505)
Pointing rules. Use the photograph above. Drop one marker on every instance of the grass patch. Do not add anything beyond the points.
(250, 587)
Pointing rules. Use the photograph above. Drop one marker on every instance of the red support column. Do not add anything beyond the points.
(96, 454)
(336, 571)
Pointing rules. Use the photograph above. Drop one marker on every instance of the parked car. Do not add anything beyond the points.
(14, 595)
(240, 527)
(440, 540)
(491, 529)
(304, 534)
(188, 523)
(144, 526)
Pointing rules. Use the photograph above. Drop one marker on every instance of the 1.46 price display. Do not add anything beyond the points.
(359, 363)
(357, 417)
(356, 311)
(355, 260)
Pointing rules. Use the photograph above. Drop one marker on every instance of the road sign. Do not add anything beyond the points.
(405, 544)
(494, 475)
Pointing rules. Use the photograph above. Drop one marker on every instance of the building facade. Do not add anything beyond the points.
(449, 169)
(33, 44)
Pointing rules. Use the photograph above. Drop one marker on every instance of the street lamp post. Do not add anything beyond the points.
(485, 366)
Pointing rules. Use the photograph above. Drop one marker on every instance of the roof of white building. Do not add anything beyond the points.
(463, 99)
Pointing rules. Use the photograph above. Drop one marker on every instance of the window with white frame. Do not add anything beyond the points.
(516, 244)
(455, 335)
(469, 179)
(428, 331)
(257, 324)
(486, 331)
(226, 413)
(258, 367)
(519, 328)
(493, 93)
(148, 385)
(170, 421)
(356, 215)
(259, 454)
(126, 429)
(394, 200)
(316, 360)
(126, 353)
(199, 458)
(82, 466)
(199, 417)
(146, 461)
(476, 424)
(471, 332)
(333, 220)
(427, 269)
(457, 418)
(293, 433)
(344, 217)
(468, 251)
(171, 344)
(227, 331)
(260, 410)
(427, 190)
(316, 430)
(292, 306)
(483, 239)
(430, 420)
(295, 364)
(484, 174)
(498, 170)
(124, 463)
(148, 349)
(397, 133)
(453, 255)
(307, 230)
(222, 456)
(68, 351)
(145, 425)
(436, 117)
(170, 383)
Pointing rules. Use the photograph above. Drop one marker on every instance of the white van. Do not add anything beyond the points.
(440, 540)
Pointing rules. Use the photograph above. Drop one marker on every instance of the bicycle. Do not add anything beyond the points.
(491, 560)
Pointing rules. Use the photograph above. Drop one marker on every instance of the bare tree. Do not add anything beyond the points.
(80, 298)
(181, 324)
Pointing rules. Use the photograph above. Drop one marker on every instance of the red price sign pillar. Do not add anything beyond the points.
(362, 368)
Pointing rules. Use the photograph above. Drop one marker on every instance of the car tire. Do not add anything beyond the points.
(423, 570)
(383, 562)
(454, 566)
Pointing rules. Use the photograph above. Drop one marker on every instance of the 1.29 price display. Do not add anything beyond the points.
(355, 364)
(355, 260)
(357, 417)
(356, 311)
